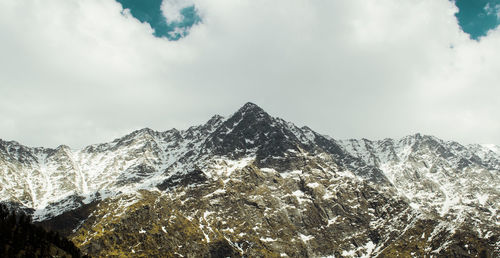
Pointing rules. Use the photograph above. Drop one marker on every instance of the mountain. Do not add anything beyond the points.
(255, 185)
(439, 177)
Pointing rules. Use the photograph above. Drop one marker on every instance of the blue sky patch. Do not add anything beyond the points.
(477, 17)
(150, 11)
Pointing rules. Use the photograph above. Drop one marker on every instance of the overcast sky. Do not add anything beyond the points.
(80, 72)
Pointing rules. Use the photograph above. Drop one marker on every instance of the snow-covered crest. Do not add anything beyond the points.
(434, 178)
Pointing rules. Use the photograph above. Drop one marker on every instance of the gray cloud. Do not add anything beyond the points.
(79, 72)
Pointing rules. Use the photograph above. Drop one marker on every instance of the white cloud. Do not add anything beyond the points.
(172, 9)
(79, 72)
(493, 10)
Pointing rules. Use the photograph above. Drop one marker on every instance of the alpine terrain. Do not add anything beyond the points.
(252, 185)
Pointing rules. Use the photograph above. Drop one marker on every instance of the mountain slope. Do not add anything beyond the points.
(438, 177)
(255, 185)
(20, 238)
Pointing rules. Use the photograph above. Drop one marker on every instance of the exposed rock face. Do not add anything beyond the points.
(257, 186)
(257, 212)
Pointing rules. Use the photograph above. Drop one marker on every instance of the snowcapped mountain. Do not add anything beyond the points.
(460, 183)
(40, 178)
(255, 185)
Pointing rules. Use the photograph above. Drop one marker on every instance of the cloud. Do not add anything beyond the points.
(80, 72)
(493, 10)
(172, 9)
(168, 19)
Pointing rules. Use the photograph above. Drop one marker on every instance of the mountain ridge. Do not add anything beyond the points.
(270, 167)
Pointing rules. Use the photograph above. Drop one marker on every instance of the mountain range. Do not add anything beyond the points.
(253, 185)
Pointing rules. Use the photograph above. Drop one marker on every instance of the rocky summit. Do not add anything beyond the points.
(253, 185)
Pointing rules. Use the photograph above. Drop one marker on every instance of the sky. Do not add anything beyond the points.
(81, 72)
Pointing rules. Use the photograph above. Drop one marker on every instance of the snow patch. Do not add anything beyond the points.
(215, 193)
(313, 185)
(482, 198)
(268, 170)
(305, 238)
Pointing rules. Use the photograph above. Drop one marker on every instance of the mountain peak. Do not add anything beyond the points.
(250, 107)
(250, 112)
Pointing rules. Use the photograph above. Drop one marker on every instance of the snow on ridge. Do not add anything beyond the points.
(446, 177)
(492, 147)
(52, 175)
(147, 157)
